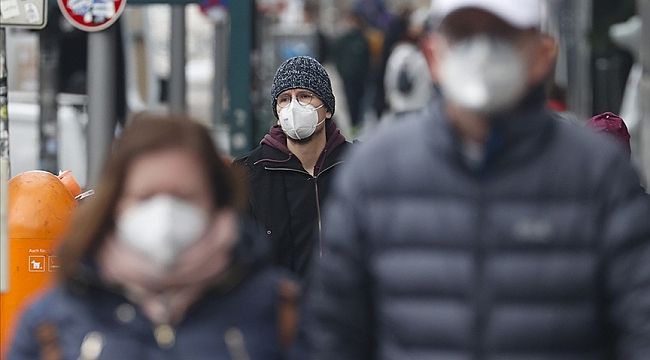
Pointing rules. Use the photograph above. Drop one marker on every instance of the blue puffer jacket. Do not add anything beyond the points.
(541, 252)
(239, 319)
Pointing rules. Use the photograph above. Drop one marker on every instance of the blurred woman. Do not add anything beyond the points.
(159, 264)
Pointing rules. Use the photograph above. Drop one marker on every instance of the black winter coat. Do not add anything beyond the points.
(286, 200)
(543, 252)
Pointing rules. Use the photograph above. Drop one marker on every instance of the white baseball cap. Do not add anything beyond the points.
(518, 13)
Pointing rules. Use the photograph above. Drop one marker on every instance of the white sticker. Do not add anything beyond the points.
(52, 263)
(79, 7)
(104, 10)
(110, 9)
(32, 15)
(9, 9)
(36, 263)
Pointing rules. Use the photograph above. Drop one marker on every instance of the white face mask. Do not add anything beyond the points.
(299, 121)
(483, 75)
(162, 227)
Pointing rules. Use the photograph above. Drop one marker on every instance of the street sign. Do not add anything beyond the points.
(215, 10)
(31, 14)
(91, 15)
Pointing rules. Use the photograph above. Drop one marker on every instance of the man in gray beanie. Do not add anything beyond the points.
(290, 172)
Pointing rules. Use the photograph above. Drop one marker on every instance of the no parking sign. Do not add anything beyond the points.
(92, 15)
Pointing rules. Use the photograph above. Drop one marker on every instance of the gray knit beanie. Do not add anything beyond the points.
(303, 72)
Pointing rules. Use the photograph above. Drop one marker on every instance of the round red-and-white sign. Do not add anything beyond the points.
(92, 15)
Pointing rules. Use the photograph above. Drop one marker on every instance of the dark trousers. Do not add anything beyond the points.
(354, 96)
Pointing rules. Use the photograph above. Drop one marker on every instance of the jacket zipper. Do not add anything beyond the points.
(320, 223)
(318, 212)
(482, 307)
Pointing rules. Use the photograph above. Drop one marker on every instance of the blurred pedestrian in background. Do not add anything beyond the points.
(351, 56)
(291, 170)
(556, 96)
(311, 15)
(613, 126)
(373, 12)
(159, 264)
(483, 228)
(397, 28)
(556, 103)
(407, 83)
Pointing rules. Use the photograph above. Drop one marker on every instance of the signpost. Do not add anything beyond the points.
(91, 15)
(4, 169)
(239, 77)
(30, 14)
(643, 7)
(96, 17)
(569, 21)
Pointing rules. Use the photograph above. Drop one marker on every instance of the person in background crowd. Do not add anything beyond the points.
(612, 125)
(407, 83)
(556, 97)
(484, 228)
(311, 14)
(160, 264)
(556, 103)
(374, 12)
(351, 56)
(395, 33)
(291, 170)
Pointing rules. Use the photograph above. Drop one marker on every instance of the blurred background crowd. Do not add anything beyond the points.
(369, 47)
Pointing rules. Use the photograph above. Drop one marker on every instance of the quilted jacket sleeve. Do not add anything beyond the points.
(338, 299)
(627, 240)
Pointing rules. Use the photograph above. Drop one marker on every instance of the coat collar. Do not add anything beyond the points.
(278, 155)
(514, 136)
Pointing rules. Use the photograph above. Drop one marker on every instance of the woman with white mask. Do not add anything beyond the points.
(160, 263)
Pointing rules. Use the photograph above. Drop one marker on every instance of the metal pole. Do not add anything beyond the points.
(5, 168)
(177, 71)
(48, 88)
(239, 76)
(643, 7)
(568, 21)
(102, 73)
(221, 132)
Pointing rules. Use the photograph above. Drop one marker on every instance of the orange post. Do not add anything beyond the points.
(40, 208)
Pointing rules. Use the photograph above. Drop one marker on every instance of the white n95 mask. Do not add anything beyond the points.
(483, 75)
(299, 121)
(162, 227)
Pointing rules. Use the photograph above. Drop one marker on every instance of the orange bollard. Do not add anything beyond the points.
(40, 209)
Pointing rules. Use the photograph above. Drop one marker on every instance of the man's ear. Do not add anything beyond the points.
(544, 60)
(432, 46)
(328, 114)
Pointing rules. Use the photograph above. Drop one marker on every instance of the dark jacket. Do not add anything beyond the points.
(245, 305)
(540, 252)
(351, 56)
(285, 199)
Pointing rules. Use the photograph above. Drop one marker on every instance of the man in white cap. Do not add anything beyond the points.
(482, 228)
